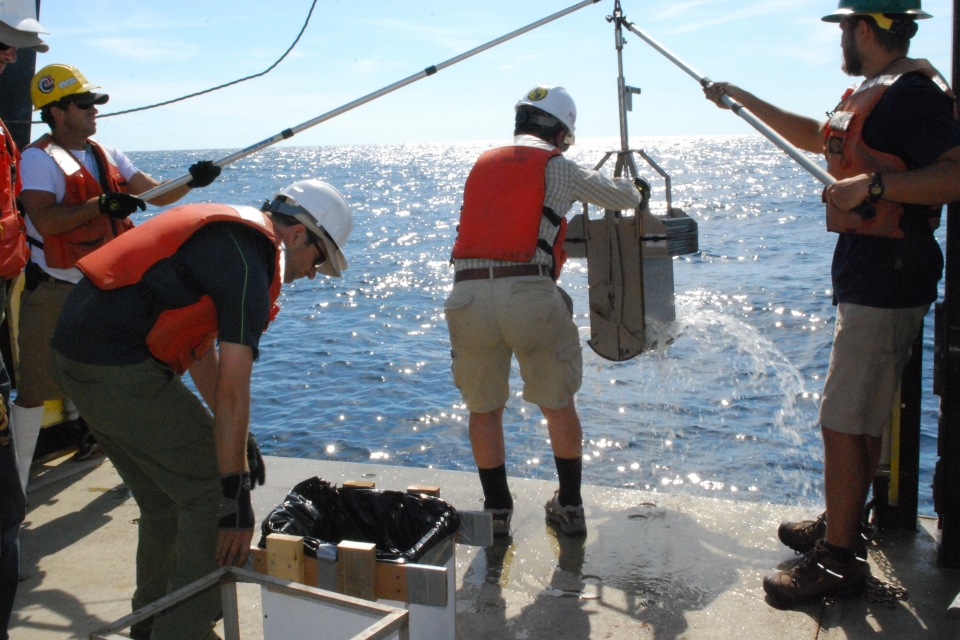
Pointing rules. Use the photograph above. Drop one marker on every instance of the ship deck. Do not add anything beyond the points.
(653, 565)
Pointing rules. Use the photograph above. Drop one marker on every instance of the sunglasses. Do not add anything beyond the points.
(322, 258)
(5, 47)
(86, 106)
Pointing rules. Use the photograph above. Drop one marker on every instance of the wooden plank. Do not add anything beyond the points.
(357, 569)
(359, 484)
(393, 623)
(429, 489)
(476, 528)
(168, 600)
(231, 609)
(285, 557)
(391, 581)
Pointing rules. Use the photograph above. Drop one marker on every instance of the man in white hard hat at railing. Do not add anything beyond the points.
(149, 308)
(77, 194)
(893, 141)
(18, 30)
(507, 257)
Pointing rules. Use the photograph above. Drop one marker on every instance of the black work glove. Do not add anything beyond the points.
(644, 188)
(120, 205)
(258, 472)
(236, 511)
(203, 172)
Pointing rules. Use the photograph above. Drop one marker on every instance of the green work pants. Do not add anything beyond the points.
(159, 437)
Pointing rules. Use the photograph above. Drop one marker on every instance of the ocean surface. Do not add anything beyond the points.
(358, 368)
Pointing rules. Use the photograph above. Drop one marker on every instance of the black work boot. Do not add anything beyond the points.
(818, 575)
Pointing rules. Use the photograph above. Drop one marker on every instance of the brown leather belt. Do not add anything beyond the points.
(491, 273)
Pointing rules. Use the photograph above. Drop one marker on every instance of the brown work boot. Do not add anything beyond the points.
(818, 575)
(803, 536)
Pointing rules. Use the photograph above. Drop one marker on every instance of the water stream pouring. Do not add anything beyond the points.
(630, 258)
(429, 71)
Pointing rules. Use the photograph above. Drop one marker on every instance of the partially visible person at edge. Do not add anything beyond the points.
(893, 142)
(149, 308)
(505, 301)
(78, 194)
(13, 255)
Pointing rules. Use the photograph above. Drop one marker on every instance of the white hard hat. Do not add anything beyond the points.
(19, 27)
(555, 101)
(324, 212)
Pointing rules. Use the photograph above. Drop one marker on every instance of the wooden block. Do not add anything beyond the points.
(391, 581)
(357, 569)
(285, 557)
(359, 484)
(258, 559)
(310, 572)
(429, 489)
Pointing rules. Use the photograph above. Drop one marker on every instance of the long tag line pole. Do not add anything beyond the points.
(429, 71)
(797, 155)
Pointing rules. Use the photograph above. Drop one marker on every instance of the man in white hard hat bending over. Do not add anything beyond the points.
(149, 308)
(507, 257)
(892, 141)
(78, 195)
(17, 31)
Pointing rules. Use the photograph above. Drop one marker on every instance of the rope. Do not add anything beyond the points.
(211, 90)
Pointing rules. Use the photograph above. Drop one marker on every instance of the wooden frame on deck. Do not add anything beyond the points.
(392, 620)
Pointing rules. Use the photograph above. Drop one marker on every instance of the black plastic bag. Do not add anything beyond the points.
(403, 526)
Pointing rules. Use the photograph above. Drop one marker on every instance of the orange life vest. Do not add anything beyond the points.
(848, 155)
(503, 206)
(180, 336)
(13, 230)
(62, 250)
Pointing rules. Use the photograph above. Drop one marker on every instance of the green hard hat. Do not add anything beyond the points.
(846, 8)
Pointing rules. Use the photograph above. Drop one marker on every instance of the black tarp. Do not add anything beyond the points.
(403, 526)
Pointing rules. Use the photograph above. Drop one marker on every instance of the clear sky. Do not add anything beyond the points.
(146, 51)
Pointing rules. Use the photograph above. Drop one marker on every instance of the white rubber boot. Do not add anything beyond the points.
(25, 424)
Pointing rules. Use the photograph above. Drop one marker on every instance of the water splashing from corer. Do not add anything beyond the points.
(720, 392)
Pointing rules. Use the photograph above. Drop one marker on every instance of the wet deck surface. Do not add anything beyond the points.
(652, 566)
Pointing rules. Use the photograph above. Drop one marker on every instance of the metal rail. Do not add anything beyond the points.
(429, 71)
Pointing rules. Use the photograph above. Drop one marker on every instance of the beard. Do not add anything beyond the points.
(852, 56)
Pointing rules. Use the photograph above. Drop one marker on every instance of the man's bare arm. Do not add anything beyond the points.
(231, 417)
(936, 184)
(141, 182)
(204, 375)
(51, 218)
(800, 131)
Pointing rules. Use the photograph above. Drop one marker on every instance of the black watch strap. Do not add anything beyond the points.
(876, 187)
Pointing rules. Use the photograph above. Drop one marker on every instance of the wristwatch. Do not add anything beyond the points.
(876, 188)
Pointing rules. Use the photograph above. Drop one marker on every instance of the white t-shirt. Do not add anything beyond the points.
(39, 172)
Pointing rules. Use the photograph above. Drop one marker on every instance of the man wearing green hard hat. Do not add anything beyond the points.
(893, 144)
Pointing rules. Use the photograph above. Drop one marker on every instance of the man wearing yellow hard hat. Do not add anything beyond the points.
(892, 142)
(78, 195)
(19, 29)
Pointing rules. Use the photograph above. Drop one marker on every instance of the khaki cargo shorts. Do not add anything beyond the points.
(871, 347)
(39, 311)
(490, 320)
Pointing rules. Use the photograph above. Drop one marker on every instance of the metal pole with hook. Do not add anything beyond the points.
(429, 71)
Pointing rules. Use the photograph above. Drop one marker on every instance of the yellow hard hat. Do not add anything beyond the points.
(57, 81)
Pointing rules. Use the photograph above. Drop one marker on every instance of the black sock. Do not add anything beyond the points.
(496, 493)
(569, 470)
(843, 554)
